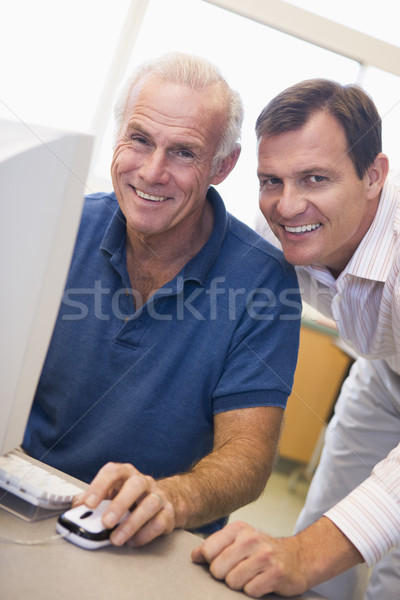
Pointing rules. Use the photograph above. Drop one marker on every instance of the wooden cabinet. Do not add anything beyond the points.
(320, 371)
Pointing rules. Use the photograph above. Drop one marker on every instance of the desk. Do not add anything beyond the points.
(162, 570)
(320, 371)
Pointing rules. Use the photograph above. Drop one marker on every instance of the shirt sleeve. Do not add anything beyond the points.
(259, 367)
(370, 515)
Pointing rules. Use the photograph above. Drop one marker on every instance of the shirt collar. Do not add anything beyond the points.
(373, 257)
(199, 266)
(115, 235)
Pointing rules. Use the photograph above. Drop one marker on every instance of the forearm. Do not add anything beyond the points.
(370, 515)
(234, 473)
(221, 482)
(324, 551)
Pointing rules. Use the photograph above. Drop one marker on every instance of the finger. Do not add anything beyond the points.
(107, 482)
(239, 559)
(78, 499)
(217, 542)
(198, 556)
(275, 572)
(259, 585)
(149, 506)
(157, 497)
(160, 524)
(132, 495)
(254, 574)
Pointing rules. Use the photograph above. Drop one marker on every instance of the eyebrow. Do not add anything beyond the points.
(187, 144)
(314, 169)
(264, 174)
(137, 127)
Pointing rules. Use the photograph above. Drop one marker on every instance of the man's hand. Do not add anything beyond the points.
(152, 514)
(233, 474)
(254, 562)
(258, 564)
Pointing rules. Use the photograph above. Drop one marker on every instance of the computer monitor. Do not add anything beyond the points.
(42, 180)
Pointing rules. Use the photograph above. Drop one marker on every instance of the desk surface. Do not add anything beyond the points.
(56, 568)
(59, 569)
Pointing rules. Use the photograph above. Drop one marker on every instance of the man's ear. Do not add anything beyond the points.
(377, 174)
(226, 165)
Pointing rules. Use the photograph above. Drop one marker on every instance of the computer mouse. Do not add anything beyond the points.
(83, 526)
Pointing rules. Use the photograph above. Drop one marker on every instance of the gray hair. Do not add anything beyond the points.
(196, 73)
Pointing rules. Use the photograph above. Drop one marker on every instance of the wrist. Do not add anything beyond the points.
(324, 551)
(171, 489)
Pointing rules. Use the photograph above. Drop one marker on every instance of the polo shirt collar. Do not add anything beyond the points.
(199, 266)
(115, 235)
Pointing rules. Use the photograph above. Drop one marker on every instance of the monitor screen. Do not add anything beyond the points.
(42, 181)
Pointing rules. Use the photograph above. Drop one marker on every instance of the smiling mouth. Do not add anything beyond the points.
(302, 228)
(150, 196)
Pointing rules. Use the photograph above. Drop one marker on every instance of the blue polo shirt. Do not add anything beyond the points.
(143, 386)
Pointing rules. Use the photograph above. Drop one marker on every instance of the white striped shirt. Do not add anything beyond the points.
(364, 301)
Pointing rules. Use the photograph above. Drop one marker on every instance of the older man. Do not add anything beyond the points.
(174, 350)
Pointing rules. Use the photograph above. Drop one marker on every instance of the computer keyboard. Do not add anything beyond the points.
(34, 484)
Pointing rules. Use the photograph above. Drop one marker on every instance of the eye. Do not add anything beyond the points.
(273, 181)
(138, 139)
(184, 153)
(317, 178)
(269, 182)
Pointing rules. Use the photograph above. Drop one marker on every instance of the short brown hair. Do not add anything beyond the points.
(349, 104)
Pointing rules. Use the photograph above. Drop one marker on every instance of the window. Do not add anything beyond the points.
(60, 58)
(55, 57)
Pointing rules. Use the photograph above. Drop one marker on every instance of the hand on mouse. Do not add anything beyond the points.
(152, 514)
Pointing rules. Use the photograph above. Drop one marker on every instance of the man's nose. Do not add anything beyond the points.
(154, 168)
(292, 202)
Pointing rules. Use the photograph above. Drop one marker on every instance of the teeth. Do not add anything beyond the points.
(149, 197)
(302, 228)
